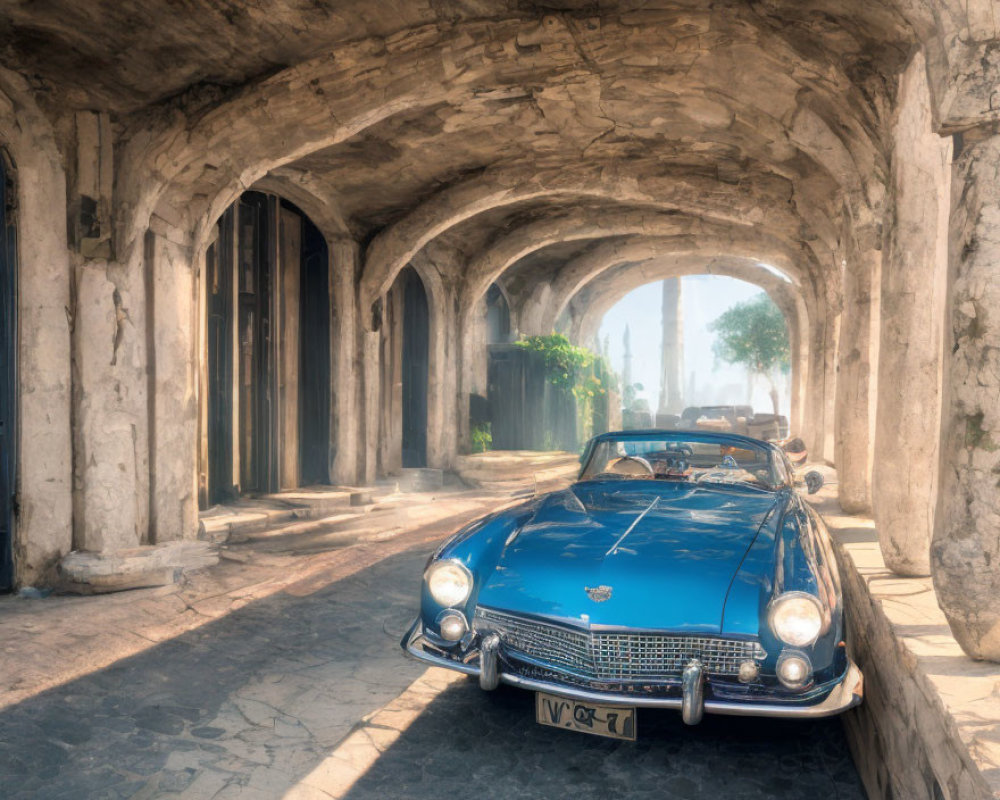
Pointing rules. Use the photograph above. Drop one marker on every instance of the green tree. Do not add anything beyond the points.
(754, 335)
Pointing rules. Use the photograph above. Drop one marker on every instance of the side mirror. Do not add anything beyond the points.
(814, 482)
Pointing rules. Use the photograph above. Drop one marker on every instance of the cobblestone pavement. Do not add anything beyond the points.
(304, 694)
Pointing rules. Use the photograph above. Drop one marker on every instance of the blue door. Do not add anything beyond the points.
(8, 371)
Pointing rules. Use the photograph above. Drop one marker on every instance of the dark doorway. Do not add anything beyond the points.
(255, 268)
(497, 316)
(416, 350)
(8, 370)
(220, 302)
(314, 358)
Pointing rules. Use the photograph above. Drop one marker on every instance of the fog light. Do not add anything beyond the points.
(452, 625)
(749, 671)
(794, 671)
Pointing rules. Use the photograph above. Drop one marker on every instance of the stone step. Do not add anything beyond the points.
(82, 572)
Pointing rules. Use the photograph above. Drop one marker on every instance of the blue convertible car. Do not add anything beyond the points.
(682, 570)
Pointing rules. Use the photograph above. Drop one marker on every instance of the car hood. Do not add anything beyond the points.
(666, 552)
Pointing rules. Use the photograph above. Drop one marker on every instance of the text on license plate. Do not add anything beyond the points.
(559, 712)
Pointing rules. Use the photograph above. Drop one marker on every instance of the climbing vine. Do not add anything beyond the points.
(570, 367)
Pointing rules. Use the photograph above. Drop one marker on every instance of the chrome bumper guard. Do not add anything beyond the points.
(848, 693)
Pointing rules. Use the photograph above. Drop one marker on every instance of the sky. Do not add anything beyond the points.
(704, 298)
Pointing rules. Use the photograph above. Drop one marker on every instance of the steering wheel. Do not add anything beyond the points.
(631, 465)
(729, 463)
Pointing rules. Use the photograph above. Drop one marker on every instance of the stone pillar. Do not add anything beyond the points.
(173, 326)
(442, 424)
(812, 431)
(474, 366)
(854, 374)
(672, 352)
(371, 343)
(110, 409)
(346, 412)
(905, 470)
(44, 528)
(965, 553)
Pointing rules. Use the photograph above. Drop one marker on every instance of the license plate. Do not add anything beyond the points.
(616, 722)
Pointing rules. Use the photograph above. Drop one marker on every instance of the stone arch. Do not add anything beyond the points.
(234, 143)
(549, 302)
(631, 186)
(44, 528)
(589, 306)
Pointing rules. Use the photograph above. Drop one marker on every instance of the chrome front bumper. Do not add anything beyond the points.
(848, 693)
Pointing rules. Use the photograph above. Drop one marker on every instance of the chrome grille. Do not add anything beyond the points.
(616, 656)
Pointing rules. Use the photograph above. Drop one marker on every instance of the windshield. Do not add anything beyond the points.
(691, 459)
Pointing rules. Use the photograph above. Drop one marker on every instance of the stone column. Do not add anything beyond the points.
(905, 470)
(346, 410)
(442, 386)
(110, 409)
(474, 367)
(854, 374)
(173, 326)
(965, 553)
(813, 429)
(672, 352)
(371, 344)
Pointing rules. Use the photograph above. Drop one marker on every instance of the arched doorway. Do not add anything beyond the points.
(415, 363)
(268, 351)
(497, 316)
(8, 369)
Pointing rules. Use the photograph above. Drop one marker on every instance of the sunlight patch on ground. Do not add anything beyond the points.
(356, 754)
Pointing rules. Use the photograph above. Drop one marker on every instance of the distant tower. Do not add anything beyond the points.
(627, 370)
(672, 353)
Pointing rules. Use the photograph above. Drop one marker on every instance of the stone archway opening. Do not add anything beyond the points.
(670, 351)
(405, 379)
(266, 352)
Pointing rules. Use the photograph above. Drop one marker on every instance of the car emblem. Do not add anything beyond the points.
(598, 593)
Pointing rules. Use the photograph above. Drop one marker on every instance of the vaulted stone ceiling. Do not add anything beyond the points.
(122, 55)
(769, 115)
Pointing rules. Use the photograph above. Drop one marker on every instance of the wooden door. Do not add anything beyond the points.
(316, 451)
(415, 362)
(219, 269)
(257, 384)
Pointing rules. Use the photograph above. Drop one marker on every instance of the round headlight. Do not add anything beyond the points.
(449, 582)
(452, 625)
(796, 618)
(794, 670)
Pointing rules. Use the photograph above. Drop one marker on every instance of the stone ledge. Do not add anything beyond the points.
(930, 723)
(82, 572)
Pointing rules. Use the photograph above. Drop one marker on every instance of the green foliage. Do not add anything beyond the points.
(577, 369)
(753, 334)
(570, 367)
(482, 437)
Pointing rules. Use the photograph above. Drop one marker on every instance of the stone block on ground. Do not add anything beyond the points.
(421, 479)
(517, 469)
(82, 572)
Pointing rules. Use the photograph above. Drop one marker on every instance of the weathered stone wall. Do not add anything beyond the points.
(926, 729)
(43, 528)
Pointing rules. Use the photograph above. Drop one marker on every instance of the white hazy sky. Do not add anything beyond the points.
(704, 298)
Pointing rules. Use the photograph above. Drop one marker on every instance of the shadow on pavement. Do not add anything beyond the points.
(248, 705)
(467, 738)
